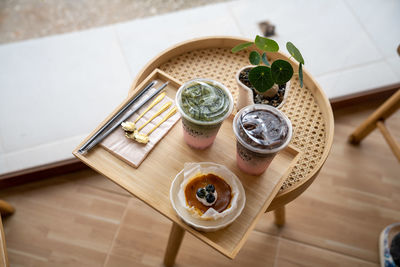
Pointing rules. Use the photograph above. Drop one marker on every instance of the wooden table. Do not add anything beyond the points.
(307, 107)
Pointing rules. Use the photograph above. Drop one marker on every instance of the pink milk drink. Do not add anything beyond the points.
(261, 132)
(203, 104)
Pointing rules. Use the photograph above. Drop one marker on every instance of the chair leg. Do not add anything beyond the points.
(393, 144)
(280, 216)
(174, 242)
(6, 208)
(382, 113)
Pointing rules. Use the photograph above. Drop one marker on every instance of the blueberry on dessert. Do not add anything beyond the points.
(210, 198)
(210, 188)
(201, 193)
(207, 195)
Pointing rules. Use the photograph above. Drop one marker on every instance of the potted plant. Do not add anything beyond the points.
(268, 83)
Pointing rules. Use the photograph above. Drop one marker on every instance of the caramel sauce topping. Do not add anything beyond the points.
(223, 189)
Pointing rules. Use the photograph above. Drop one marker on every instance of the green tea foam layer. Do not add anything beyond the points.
(203, 101)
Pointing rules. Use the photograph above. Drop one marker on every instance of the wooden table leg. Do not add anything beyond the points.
(5, 208)
(3, 249)
(279, 216)
(174, 242)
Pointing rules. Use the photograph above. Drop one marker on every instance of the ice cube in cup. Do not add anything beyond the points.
(261, 132)
(204, 104)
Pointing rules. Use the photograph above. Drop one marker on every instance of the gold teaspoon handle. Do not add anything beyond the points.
(155, 102)
(161, 110)
(169, 115)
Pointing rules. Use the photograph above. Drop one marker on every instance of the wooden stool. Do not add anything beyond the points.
(377, 119)
(5, 209)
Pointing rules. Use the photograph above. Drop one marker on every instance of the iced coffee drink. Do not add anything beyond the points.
(261, 132)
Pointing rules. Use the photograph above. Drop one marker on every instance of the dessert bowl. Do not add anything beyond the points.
(219, 221)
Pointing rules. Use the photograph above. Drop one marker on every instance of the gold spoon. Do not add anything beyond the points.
(155, 102)
(131, 126)
(169, 115)
(144, 138)
(161, 110)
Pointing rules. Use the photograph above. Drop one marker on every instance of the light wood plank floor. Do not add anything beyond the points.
(82, 219)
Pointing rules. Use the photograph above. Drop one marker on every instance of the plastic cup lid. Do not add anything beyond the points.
(272, 110)
(178, 101)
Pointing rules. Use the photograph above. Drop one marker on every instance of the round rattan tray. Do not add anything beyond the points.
(308, 108)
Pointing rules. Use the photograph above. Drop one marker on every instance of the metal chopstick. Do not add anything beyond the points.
(126, 116)
(122, 110)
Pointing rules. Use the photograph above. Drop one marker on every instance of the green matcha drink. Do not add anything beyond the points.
(204, 104)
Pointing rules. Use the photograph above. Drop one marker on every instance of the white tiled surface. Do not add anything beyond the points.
(144, 39)
(381, 20)
(55, 90)
(358, 79)
(394, 63)
(44, 153)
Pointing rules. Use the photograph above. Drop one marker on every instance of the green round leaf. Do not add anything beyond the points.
(254, 58)
(294, 52)
(265, 59)
(260, 77)
(281, 71)
(241, 47)
(301, 75)
(266, 44)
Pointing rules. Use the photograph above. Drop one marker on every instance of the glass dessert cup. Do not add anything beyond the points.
(261, 132)
(203, 104)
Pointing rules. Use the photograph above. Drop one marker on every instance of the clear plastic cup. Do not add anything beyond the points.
(203, 104)
(261, 132)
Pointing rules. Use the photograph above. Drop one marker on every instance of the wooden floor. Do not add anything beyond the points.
(82, 219)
